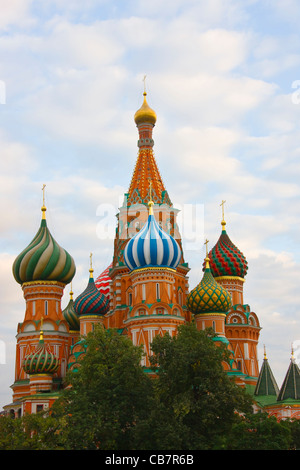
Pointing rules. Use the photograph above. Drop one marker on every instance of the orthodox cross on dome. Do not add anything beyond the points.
(265, 354)
(144, 80)
(206, 243)
(91, 265)
(206, 258)
(223, 223)
(44, 207)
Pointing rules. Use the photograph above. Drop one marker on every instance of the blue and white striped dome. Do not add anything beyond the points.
(152, 247)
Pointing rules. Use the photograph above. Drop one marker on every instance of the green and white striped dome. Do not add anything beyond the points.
(44, 260)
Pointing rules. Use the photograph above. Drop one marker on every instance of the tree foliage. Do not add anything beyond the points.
(188, 403)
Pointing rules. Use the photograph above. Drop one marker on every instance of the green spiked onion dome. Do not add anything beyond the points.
(43, 259)
(71, 316)
(42, 361)
(208, 296)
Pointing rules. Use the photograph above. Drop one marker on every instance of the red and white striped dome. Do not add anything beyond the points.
(103, 281)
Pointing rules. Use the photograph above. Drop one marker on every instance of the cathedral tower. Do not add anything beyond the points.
(42, 269)
(147, 299)
(229, 268)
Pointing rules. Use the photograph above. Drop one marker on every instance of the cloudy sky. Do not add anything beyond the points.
(224, 79)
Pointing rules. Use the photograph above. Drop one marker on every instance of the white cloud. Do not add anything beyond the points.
(15, 12)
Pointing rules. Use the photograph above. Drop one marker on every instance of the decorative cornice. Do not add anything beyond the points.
(50, 283)
(209, 314)
(229, 278)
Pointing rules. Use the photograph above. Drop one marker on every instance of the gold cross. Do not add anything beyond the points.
(91, 266)
(205, 243)
(222, 204)
(43, 189)
(144, 80)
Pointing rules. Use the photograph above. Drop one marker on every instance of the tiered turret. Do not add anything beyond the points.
(43, 269)
(91, 305)
(210, 302)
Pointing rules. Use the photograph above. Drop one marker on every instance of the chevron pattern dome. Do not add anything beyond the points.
(44, 260)
(152, 247)
(208, 296)
(91, 301)
(103, 281)
(226, 259)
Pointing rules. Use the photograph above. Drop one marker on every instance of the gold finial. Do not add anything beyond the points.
(44, 207)
(150, 203)
(145, 114)
(223, 223)
(207, 258)
(91, 265)
(41, 330)
(265, 354)
(71, 293)
(292, 354)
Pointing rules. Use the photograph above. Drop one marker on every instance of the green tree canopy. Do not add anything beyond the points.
(108, 394)
(193, 388)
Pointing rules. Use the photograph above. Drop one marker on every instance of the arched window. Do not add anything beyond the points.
(143, 291)
(46, 307)
(157, 291)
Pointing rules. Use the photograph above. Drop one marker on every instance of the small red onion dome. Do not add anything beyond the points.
(226, 259)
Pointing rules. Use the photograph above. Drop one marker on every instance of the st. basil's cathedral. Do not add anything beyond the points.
(143, 292)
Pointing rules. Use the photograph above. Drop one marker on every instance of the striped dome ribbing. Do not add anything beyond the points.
(44, 260)
(91, 301)
(152, 247)
(71, 316)
(42, 361)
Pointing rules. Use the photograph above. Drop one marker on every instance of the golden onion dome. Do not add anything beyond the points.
(145, 114)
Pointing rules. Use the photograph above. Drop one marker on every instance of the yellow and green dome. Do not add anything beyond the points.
(44, 259)
(208, 296)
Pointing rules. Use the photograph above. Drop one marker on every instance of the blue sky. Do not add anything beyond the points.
(220, 77)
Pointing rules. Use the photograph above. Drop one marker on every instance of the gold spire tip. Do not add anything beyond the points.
(150, 203)
(223, 223)
(43, 209)
(91, 265)
(265, 354)
(206, 258)
(41, 330)
(71, 292)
